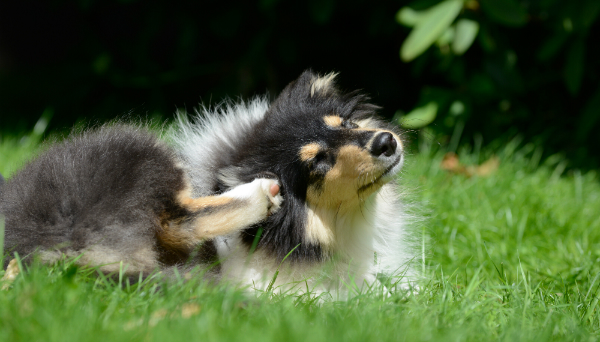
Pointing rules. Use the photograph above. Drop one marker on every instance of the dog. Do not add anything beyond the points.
(298, 195)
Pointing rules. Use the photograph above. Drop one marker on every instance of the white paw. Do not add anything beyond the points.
(275, 201)
(259, 193)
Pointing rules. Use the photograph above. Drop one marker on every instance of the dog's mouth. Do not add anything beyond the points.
(386, 176)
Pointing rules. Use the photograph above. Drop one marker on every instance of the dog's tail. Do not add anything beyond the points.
(1, 183)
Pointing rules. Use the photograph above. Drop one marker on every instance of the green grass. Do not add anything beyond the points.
(511, 256)
(15, 151)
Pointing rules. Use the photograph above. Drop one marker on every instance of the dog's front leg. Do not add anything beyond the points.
(213, 216)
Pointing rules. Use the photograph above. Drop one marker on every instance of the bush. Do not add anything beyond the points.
(509, 66)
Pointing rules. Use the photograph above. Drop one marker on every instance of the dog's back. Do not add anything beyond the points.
(105, 194)
(102, 189)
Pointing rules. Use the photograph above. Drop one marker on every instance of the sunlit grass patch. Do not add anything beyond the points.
(512, 255)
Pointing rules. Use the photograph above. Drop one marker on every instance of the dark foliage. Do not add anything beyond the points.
(534, 68)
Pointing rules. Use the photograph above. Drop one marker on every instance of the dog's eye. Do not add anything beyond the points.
(349, 124)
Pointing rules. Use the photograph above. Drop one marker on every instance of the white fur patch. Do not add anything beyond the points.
(229, 176)
(257, 192)
(319, 227)
(365, 241)
(201, 139)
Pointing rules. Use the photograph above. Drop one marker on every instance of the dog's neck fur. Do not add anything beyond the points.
(345, 232)
(364, 238)
(350, 256)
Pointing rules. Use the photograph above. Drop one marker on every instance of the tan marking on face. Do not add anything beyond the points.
(354, 168)
(338, 195)
(309, 151)
(332, 120)
(322, 84)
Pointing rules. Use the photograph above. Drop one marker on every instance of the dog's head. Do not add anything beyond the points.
(328, 150)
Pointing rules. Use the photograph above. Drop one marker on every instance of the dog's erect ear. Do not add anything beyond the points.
(318, 95)
(322, 85)
(311, 84)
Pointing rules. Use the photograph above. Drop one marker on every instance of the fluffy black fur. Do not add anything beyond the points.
(111, 188)
(293, 119)
(105, 187)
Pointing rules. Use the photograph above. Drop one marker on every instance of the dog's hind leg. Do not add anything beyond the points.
(213, 216)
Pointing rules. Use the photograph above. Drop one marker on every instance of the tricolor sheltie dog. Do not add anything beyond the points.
(298, 195)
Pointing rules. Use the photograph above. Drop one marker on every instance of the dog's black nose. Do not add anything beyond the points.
(385, 144)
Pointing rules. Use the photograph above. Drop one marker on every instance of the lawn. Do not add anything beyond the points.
(509, 255)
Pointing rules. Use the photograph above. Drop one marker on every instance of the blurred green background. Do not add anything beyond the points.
(478, 71)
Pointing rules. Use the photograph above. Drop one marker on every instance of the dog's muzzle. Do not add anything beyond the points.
(384, 144)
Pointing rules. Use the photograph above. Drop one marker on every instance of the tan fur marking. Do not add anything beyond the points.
(369, 143)
(179, 239)
(332, 120)
(186, 192)
(309, 151)
(352, 161)
(319, 228)
(225, 220)
(194, 204)
(174, 238)
(222, 223)
(355, 167)
(213, 216)
(226, 214)
(322, 84)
